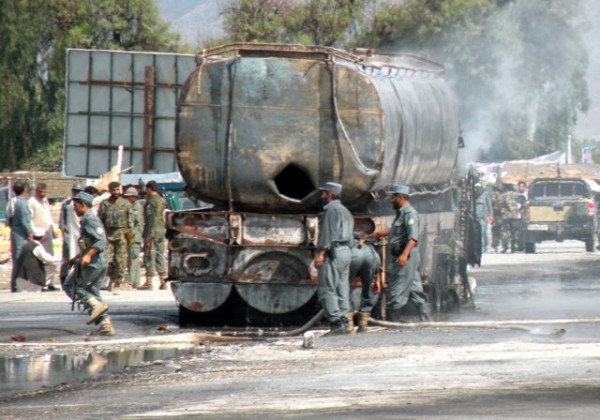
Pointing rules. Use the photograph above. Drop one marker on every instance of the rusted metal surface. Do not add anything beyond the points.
(246, 229)
(263, 131)
(201, 297)
(148, 117)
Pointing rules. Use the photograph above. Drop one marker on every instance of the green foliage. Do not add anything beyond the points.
(34, 36)
(311, 22)
(256, 20)
(325, 22)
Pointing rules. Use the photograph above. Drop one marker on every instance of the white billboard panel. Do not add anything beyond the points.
(105, 107)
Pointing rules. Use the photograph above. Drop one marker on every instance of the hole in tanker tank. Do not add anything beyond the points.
(293, 182)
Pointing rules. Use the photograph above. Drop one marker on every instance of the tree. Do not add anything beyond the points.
(256, 20)
(34, 36)
(325, 22)
(311, 22)
(518, 66)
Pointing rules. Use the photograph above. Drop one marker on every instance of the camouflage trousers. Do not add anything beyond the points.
(505, 232)
(117, 255)
(154, 259)
(134, 264)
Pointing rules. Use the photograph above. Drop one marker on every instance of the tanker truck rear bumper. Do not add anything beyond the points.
(266, 259)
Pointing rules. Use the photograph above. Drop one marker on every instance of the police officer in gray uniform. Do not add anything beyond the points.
(404, 282)
(92, 263)
(333, 258)
(365, 264)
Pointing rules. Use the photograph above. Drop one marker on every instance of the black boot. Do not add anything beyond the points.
(339, 327)
(393, 315)
(423, 309)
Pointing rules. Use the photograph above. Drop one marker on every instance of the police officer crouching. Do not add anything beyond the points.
(333, 259)
(84, 282)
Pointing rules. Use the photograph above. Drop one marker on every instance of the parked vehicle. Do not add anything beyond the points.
(560, 209)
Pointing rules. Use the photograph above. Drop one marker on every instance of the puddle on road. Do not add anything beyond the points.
(25, 374)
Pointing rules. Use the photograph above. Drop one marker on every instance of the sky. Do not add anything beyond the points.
(589, 125)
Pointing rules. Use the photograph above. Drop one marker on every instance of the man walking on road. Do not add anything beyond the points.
(404, 282)
(115, 215)
(84, 282)
(333, 259)
(154, 237)
(21, 229)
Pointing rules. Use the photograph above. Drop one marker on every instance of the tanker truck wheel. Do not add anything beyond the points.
(186, 317)
(279, 283)
(589, 243)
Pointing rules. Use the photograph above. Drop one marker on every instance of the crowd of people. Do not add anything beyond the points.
(103, 235)
(504, 210)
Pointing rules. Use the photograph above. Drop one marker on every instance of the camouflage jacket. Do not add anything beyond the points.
(137, 218)
(506, 207)
(116, 217)
(154, 222)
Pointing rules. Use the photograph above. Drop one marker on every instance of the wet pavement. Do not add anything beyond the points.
(24, 374)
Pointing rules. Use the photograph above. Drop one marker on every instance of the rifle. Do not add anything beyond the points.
(76, 272)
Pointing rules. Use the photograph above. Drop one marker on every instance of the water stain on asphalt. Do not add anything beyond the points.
(31, 373)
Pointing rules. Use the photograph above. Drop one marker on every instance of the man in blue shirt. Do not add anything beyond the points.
(89, 276)
(21, 229)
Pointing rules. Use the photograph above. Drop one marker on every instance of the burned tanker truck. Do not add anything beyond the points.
(259, 127)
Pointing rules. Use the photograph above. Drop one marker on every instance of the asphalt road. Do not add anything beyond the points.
(530, 349)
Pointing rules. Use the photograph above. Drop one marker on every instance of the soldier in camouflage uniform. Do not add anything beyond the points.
(513, 218)
(483, 213)
(154, 237)
(506, 220)
(137, 219)
(115, 214)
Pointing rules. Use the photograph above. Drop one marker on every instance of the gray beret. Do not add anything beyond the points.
(332, 187)
(85, 197)
(399, 189)
(77, 187)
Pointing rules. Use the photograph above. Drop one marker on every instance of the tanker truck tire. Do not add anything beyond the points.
(589, 243)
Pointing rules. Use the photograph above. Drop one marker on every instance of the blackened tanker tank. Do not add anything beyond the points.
(260, 127)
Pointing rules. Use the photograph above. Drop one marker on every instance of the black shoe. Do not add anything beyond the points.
(51, 288)
(338, 328)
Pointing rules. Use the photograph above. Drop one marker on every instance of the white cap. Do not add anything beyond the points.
(38, 232)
